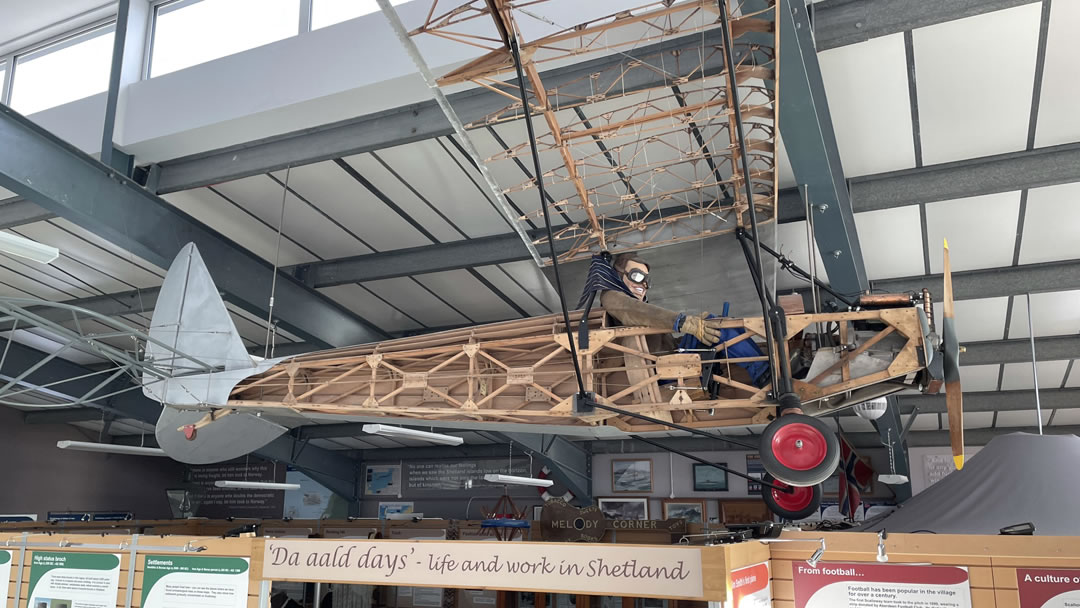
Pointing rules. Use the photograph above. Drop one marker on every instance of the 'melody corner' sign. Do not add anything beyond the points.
(560, 568)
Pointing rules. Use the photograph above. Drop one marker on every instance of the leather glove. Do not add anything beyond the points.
(706, 330)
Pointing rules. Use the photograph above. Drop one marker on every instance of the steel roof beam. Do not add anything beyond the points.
(994, 282)
(17, 211)
(807, 128)
(842, 22)
(41, 167)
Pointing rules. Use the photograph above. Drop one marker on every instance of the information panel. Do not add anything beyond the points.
(836, 585)
(554, 568)
(177, 581)
(5, 573)
(750, 587)
(1048, 588)
(73, 580)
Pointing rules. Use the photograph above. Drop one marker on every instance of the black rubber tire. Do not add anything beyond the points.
(795, 477)
(788, 513)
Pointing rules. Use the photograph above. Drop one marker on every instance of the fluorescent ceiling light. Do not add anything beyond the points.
(518, 481)
(108, 448)
(255, 485)
(25, 248)
(398, 431)
(893, 479)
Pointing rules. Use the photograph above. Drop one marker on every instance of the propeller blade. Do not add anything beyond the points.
(950, 350)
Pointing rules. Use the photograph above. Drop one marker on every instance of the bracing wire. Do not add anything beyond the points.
(271, 336)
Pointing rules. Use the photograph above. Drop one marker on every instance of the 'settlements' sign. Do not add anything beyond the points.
(643, 571)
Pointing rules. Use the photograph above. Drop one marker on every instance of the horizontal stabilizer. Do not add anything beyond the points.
(226, 438)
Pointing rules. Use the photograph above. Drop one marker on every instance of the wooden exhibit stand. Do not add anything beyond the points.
(704, 575)
(991, 560)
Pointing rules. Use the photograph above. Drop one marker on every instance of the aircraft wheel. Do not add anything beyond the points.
(800, 504)
(799, 450)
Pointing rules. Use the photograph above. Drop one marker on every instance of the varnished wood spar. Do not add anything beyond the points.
(483, 375)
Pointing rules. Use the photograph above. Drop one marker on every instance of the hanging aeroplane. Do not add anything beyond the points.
(652, 149)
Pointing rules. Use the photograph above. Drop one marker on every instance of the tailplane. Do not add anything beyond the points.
(197, 358)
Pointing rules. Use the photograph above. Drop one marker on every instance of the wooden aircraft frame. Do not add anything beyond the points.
(521, 372)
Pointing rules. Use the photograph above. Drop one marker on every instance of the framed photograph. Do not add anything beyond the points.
(631, 476)
(709, 479)
(394, 508)
(691, 509)
(624, 508)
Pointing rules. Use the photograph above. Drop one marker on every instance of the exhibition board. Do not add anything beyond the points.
(687, 572)
(991, 562)
(198, 574)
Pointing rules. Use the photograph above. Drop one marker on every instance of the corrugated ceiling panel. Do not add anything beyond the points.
(974, 378)
(1055, 313)
(367, 305)
(303, 222)
(330, 188)
(536, 282)
(892, 242)
(1018, 375)
(868, 100)
(1012, 419)
(412, 299)
(512, 287)
(234, 222)
(982, 319)
(978, 420)
(48, 274)
(433, 172)
(981, 231)
(468, 295)
(1052, 223)
(427, 214)
(87, 256)
(1059, 122)
(960, 67)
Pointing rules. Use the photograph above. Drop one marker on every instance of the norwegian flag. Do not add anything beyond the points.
(856, 478)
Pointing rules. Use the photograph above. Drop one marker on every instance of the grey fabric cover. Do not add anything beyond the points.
(1016, 478)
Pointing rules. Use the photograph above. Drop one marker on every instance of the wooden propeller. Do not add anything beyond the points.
(950, 350)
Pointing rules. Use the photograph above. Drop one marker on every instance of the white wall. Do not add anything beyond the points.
(678, 485)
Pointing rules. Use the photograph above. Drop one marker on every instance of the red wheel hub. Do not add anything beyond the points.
(795, 501)
(799, 446)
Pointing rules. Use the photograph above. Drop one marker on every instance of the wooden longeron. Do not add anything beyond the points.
(521, 372)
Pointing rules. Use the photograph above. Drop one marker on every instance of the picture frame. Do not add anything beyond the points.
(631, 476)
(693, 510)
(620, 507)
(709, 478)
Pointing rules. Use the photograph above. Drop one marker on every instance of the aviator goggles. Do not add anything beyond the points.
(638, 276)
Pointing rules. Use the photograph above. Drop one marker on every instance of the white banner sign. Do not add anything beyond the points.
(556, 568)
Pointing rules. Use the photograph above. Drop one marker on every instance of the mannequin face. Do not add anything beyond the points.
(638, 289)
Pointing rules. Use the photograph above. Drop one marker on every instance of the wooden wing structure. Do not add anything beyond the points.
(643, 152)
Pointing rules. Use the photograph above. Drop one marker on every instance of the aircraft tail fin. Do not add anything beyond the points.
(190, 317)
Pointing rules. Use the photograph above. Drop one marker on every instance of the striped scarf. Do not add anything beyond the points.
(602, 277)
